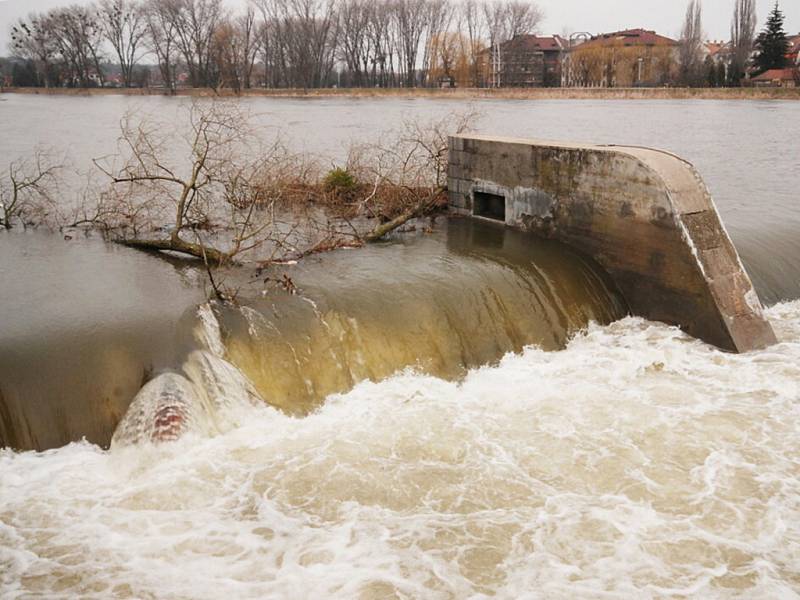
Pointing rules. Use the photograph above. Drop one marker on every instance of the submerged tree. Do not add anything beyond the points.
(150, 192)
(27, 189)
(230, 198)
(410, 170)
(772, 43)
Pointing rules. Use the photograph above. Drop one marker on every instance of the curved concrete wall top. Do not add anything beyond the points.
(645, 215)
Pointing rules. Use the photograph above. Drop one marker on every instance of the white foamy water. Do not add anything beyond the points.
(636, 463)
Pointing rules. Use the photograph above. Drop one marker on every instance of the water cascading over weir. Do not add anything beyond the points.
(618, 229)
(644, 215)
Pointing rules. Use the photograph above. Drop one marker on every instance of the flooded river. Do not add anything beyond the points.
(746, 151)
(465, 413)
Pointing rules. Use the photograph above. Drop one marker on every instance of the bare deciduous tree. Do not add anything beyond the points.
(743, 31)
(78, 36)
(508, 19)
(439, 18)
(124, 26)
(193, 24)
(312, 39)
(231, 200)
(378, 42)
(690, 49)
(236, 48)
(32, 38)
(521, 18)
(302, 40)
(411, 170)
(161, 38)
(382, 45)
(410, 22)
(505, 20)
(476, 33)
(27, 189)
(147, 179)
(354, 42)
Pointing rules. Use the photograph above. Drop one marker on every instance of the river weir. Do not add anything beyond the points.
(462, 411)
(671, 470)
(439, 303)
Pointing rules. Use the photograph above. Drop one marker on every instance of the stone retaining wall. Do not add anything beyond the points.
(644, 215)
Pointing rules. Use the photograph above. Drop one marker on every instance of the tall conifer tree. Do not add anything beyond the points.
(772, 43)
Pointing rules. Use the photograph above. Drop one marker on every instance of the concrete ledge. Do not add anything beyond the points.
(644, 215)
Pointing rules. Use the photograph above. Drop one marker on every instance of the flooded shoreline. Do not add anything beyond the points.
(447, 415)
(748, 167)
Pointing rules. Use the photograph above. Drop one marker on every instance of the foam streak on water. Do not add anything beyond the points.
(635, 463)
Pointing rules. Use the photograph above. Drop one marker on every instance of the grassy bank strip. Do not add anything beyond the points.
(460, 93)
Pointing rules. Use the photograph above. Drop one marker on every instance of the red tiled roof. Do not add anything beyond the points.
(630, 37)
(534, 42)
(773, 74)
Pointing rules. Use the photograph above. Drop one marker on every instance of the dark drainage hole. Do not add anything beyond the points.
(491, 206)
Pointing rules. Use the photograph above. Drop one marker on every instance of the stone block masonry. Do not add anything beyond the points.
(644, 215)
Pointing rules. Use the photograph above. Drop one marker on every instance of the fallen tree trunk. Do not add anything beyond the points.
(176, 244)
(419, 210)
(385, 228)
(212, 256)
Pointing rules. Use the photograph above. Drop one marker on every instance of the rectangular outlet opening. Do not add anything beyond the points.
(490, 206)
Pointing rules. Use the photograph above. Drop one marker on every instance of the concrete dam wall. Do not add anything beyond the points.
(644, 215)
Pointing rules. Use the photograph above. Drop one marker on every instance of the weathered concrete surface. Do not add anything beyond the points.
(644, 215)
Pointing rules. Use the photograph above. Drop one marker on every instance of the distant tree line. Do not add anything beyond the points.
(746, 53)
(272, 43)
(347, 43)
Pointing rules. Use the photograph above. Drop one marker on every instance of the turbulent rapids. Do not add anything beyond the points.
(462, 414)
(438, 309)
(466, 414)
(440, 303)
(670, 469)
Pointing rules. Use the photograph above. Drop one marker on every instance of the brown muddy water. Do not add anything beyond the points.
(463, 414)
(746, 151)
(440, 303)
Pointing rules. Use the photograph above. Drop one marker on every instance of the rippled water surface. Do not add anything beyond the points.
(462, 414)
(745, 150)
(634, 463)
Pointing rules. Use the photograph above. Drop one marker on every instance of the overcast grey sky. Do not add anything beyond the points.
(594, 16)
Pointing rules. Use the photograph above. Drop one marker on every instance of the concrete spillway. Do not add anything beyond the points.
(645, 215)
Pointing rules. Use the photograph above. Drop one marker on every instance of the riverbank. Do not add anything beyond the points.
(762, 93)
